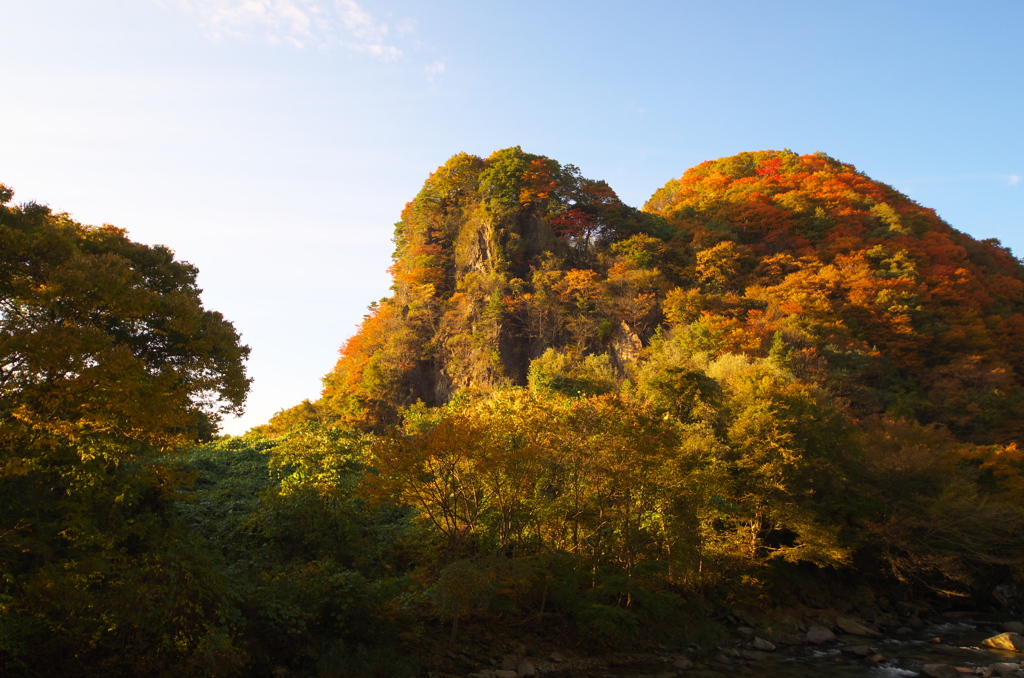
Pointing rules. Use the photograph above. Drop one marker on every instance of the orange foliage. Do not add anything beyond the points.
(869, 271)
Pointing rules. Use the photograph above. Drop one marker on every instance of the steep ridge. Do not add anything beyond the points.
(496, 260)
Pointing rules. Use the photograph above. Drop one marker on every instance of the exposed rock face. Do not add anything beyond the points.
(625, 346)
(1014, 642)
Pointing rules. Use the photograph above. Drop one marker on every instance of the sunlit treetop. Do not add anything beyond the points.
(809, 245)
(106, 340)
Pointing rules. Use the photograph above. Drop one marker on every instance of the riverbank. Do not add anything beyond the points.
(823, 644)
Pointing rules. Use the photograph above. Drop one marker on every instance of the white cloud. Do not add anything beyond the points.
(434, 68)
(1013, 179)
(302, 23)
(406, 27)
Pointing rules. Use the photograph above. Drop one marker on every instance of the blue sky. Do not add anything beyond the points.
(273, 143)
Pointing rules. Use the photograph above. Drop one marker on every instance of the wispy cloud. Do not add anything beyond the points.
(302, 23)
(1013, 179)
(434, 69)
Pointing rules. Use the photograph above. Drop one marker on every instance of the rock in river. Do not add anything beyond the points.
(683, 664)
(1014, 642)
(526, 668)
(854, 627)
(817, 635)
(939, 671)
(1001, 669)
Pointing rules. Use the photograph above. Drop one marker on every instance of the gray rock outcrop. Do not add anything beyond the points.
(939, 671)
(819, 635)
(854, 627)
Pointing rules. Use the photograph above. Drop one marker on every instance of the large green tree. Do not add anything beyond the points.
(108, 363)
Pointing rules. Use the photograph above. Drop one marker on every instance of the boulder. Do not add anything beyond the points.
(854, 627)
(683, 664)
(763, 645)
(1014, 642)
(817, 635)
(857, 650)
(939, 671)
(505, 673)
(887, 620)
(1014, 627)
(1001, 669)
(557, 657)
(509, 662)
(526, 668)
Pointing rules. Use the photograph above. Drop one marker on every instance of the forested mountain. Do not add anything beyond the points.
(863, 290)
(780, 387)
(777, 360)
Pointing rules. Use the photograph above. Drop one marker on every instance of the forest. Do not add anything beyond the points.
(779, 385)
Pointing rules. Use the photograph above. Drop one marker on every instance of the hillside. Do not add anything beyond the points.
(867, 293)
(776, 359)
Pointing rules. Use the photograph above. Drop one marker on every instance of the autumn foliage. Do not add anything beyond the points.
(716, 382)
(917, 317)
(777, 381)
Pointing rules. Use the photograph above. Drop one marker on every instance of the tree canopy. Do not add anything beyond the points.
(108, 363)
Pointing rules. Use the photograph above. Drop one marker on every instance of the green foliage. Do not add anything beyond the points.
(572, 374)
(501, 183)
(108, 361)
(641, 250)
(303, 561)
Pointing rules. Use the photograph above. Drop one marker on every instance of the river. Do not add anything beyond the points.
(960, 646)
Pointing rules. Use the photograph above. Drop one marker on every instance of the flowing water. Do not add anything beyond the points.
(960, 646)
